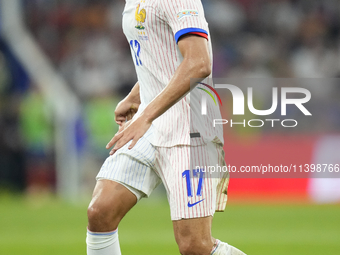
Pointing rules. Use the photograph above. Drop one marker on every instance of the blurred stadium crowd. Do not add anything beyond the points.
(84, 41)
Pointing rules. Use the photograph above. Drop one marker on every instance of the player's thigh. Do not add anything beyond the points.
(110, 202)
(133, 168)
(194, 234)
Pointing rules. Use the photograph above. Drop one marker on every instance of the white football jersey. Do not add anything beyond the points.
(152, 28)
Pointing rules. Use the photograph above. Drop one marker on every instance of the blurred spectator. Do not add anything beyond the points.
(12, 169)
(100, 123)
(85, 42)
(37, 134)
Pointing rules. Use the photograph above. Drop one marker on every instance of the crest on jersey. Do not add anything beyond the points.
(140, 16)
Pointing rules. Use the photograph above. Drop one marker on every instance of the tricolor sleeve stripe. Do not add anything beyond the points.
(189, 30)
(200, 34)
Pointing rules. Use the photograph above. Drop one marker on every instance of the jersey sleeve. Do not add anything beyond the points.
(185, 17)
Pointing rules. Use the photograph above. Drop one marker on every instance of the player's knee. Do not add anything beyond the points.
(102, 217)
(193, 247)
(96, 213)
(184, 248)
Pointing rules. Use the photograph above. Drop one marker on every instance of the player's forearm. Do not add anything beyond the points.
(134, 96)
(178, 87)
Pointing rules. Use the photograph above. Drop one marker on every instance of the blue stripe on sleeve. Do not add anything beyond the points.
(188, 30)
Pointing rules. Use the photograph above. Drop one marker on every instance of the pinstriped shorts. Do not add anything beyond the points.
(190, 193)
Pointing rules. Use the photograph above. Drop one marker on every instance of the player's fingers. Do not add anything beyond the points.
(119, 145)
(121, 128)
(129, 116)
(114, 140)
(134, 141)
(120, 118)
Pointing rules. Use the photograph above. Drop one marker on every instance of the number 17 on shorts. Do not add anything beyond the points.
(191, 177)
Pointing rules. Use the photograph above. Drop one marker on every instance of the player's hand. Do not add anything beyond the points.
(131, 130)
(125, 110)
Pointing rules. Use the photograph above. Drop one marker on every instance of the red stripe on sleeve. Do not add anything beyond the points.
(200, 34)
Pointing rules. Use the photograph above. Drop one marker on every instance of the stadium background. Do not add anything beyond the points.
(83, 44)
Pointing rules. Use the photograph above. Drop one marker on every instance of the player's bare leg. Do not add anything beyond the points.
(193, 237)
(110, 202)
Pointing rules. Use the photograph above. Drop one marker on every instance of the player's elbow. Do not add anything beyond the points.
(203, 68)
